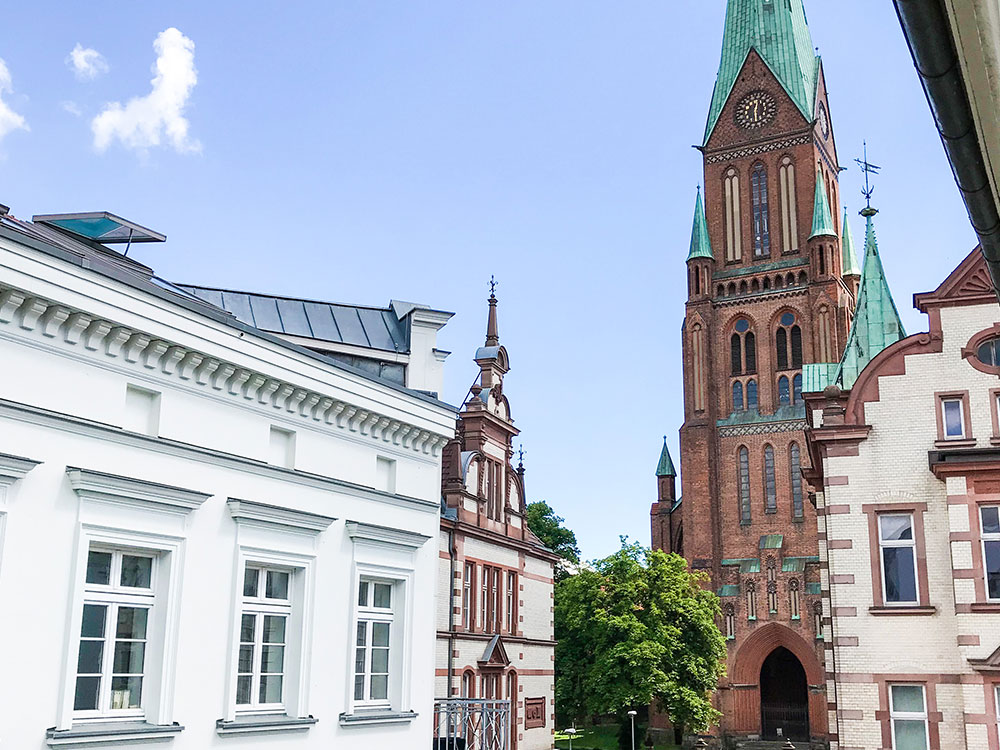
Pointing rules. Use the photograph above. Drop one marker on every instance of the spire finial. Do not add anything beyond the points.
(868, 169)
(493, 286)
(520, 457)
(492, 330)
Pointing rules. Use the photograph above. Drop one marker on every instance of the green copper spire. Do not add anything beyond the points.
(822, 217)
(876, 321)
(701, 246)
(778, 30)
(666, 466)
(847, 244)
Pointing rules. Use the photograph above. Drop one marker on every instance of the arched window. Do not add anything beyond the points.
(734, 241)
(797, 389)
(737, 396)
(761, 231)
(770, 487)
(789, 218)
(818, 620)
(742, 349)
(989, 353)
(788, 343)
(698, 375)
(767, 284)
(730, 612)
(752, 395)
(731, 290)
(751, 590)
(736, 354)
(750, 343)
(795, 467)
(697, 280)
(796, 347)
(781, 343)
(784, 397)
(794, 604)
(772, 585)
(822, 260)
(744, 486)
(825, 342)
(803, 278)
(721, 291)
(468, 684)
(743, 287)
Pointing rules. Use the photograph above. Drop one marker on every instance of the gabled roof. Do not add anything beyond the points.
(779, 31)
(876, 320)
(970, 283)
(666, 466)
(822, 216)
(701, 245)
(847, 245)
(495, 654)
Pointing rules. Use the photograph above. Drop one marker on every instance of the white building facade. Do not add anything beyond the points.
(909, 465)
(209, 536)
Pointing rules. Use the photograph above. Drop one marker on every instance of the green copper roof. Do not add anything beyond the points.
(876, 321)
(730, 589)
(701, 246)
(772, 541)
(847, 243)
(778, 30)
(822, 216)
(666, 467)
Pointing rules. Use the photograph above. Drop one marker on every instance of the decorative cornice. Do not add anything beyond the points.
(762, 428)
(245, 511)
(92, 336)
(366, 532)
(762, 148)
(139, 493)
(13, 468)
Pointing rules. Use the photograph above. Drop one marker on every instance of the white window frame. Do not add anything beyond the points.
(984, 539)
(510, 601)
(260, 607)
(961, 415)
(896, 544)
(468, 596)
(368, 615)
(908, 715)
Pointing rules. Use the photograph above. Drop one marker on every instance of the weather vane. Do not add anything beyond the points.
(520, 454)
(493, 286)
(869, 169)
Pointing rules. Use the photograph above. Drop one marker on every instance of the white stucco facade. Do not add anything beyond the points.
(150, 456)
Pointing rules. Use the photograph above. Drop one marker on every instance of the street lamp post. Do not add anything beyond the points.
(571, 732)
(632, 716)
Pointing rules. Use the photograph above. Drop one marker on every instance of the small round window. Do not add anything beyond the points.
(989, 353)
(742, 326)
(787, 319)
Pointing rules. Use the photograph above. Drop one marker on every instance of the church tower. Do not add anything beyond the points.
(769, 293)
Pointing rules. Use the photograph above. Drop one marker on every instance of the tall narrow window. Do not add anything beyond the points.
(789, 217)
(512, 697)
(908, 716)
(750, 343)
(772, 585)
(751, 591)
(794, 599)
(953, 416)
(797, 389)
(698, 374)
(736, 354)
(825, 335)
(484, 598)
(468, 596)
(468, 684)
(734, 241)
(899, 565)
(795, 467)
(737, 396)
(263, 627)
(784, 396)
(788, 343)
(781, 345)
(511, 609)
(372, 653)
(752, 395)
(761, 230)
(990, 519)
(818, 620)
(796, 347)
(744, 486)
(730, 613)
(770, 491)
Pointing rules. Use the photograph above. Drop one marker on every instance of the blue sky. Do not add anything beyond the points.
(360, 151)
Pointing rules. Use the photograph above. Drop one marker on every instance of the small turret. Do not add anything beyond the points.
(666, 476)
(700, 258)
(851, 272)
(823, 238)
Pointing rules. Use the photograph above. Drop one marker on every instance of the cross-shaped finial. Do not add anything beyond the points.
(520, 455)
(869, 169)
(493, 286)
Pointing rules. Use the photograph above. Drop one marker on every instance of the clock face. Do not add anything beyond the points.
(824, 121)
(756, 110)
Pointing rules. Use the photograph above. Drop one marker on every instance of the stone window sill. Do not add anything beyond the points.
(130, 732)
(263, 723)
(912, 611)
(985, 607)
(363, 719)
(956, 443)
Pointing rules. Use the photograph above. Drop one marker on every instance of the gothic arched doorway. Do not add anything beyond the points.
(784, 697)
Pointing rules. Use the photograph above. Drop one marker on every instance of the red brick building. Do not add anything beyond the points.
(772, 282)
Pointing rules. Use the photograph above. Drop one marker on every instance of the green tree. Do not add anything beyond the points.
(636, 629)
(547, 526)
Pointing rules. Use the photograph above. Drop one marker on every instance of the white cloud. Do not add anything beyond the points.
(86, 63)
(9, 119)
(159, 115)
(72, 108)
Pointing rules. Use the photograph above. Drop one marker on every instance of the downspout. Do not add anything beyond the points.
(928, 34)
(451, 613)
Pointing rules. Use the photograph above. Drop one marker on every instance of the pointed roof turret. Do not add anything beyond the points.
(701, 245)
(779, 31)
(666, 466)
(822, 216)
(847, 246)
(876, 320)
(492, 331)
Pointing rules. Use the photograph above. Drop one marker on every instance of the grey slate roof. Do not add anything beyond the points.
(368, 327)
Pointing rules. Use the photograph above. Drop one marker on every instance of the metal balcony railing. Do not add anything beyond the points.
(471, 724)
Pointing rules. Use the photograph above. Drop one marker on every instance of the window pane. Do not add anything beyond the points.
(272, 659)
(359, 688)
(910, 735)
(787, 319)
(131, 622)
(380, 688)
(247, 626)
(126, 692)
(93, 620)
(137, 572)
(900, 576)
(99, 567)
(277, 584)
(359, 660)
(737, 396)
(735, 354)
(86, 693)
(992, 570)
(274, 629)
(383, 595)
(953, 419)
(246, 660)
(91, 655)
(784, 396)
(896, 528)
(380, 634)
(987, 353)
(991, 520)
(363, 594)
(250, 582)
(270, 688)
(750, 343)
(243, 690)
(362, 633)
(129, 657)
(797, 389)
(752, 394)
(380, 660)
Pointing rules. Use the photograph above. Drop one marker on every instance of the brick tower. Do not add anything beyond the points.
(771, 288)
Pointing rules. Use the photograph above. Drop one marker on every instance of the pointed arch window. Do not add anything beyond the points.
(796, 347)
(730, 612)
(698, 374)
(752, 395)
(734, 240)
(784, 397)
(737, 396)
(781, 344)
(744, 479)
(795, 468)
(772, 585)
(797, 389)
(761, 230)
(736, 354)
(789, 218)
(825, 335)
(770, 486)
(743, 349)
(751, 591)
(788, 343)
(794, 602)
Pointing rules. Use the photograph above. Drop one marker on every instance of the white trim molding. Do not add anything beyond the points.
(13, 468)
(138, 493)
(245, 511)
(366, 532)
